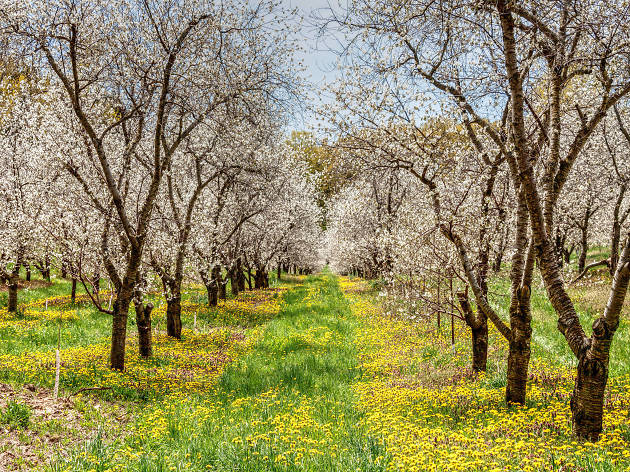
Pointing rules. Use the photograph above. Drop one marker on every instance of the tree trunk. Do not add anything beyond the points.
(213, 294)
(279, 271)
(583, 251)
(559, 246)
(480, 346)
(213, 286)
(73, 294)
(174, 315)
(258, 279)
(587, 402)
(222, 288)
(615, 235)
(584, 238)
(240, 276)
(234, 282)
(520, 349)
(13, 293)
(496, 266)
(119, 328)
(143, 322)
(64, 268)
(27, 267)
(478, 325)
(567, 255)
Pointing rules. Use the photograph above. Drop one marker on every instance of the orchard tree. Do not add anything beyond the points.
(139, 77)
(488, 63)
(209, 155)
(289, 213)
(23, 189)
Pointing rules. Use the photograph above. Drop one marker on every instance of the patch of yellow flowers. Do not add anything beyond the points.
(28, 318)
(191, 364)
(461, 422)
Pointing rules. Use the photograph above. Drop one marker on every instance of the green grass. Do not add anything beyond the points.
(91, 326)
(15, 415)
(548, 343)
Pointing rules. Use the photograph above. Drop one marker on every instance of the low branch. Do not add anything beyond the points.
(592, 265)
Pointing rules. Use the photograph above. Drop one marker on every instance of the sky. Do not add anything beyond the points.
(319, 62)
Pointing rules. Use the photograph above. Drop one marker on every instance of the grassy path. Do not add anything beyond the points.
(286, 405)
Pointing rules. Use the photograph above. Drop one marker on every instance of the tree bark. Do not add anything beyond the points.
(216, 284)
(519, 337)
(592, 353)
(520, 349)
(213, 293)
(174, 315)
(478, 325)
(119, 327)
(560, 243)
(234, 282)
(222, 287)
(260, 279)
(567, 254)
(64, 268)
(587, 401)
(480, 346)
(73, 293)
(498, 260)
(583, 250)
(13, 293)
(240, 276)
(213, 284)
(143, 322)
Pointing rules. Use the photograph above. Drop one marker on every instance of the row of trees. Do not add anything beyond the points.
(488, 129)
(144, 137)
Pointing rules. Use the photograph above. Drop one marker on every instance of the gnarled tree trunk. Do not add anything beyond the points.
(478, 325)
